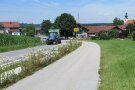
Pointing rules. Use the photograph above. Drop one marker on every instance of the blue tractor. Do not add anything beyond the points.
(53, 37)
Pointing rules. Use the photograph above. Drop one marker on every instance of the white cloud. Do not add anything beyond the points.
(90, 13)
(100, 13)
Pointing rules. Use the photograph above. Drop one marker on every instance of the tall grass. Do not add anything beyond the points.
(117, 65)
(35, 62)
(10, 42)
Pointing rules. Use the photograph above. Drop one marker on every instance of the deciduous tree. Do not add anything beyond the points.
(102, 35)
(113, 34)
(45, 26)
(131, 27)
(117, 21)
(65, 23)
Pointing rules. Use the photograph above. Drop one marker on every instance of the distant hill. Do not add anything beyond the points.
(88, 24)
(97, 24)
(22, 25)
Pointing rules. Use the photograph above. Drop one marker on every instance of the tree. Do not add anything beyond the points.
(45, 26)
(65, 23)
(133, 35)
(117, 21)
(131, 27)
(113, 34)
(29, 30)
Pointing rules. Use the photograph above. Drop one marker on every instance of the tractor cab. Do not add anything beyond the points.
(53, 35)
(53, 38)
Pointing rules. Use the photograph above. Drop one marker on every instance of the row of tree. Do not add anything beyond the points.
(65, 22)
(117, 21)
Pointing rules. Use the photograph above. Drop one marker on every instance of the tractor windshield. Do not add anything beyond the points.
(53, 34)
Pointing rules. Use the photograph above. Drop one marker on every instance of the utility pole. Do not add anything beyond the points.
(78, 17)
(78, 22)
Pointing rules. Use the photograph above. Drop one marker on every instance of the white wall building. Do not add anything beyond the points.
(10, 28)
(6, 30)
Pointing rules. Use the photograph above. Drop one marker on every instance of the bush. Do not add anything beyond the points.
(103, 36)
(113, 34)
(94, 37)
(124, 34)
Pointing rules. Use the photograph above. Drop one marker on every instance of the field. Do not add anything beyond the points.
(117, 64)
(9, 42)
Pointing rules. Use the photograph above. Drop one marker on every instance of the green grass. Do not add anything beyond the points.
(117, 64)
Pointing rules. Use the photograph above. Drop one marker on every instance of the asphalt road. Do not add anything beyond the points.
(16, 55)
(76, 71)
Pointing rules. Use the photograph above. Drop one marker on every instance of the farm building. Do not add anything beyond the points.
(94, 30)
(9, 28)
(83, 31)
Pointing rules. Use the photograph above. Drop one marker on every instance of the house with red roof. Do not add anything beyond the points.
(83, 31)
(94, 30)
(9, 28)
(87, 31)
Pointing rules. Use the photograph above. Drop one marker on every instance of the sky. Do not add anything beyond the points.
(90, 11)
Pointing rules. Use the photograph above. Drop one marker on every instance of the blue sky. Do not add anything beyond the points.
(90, 11)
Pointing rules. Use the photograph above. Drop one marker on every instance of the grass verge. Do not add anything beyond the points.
(34, 63)
(117, 64)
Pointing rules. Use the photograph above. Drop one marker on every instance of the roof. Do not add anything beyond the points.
(129, 22)
(96, 29)
(9, 24)
(82, 26)
(122, 27)
(13, 30)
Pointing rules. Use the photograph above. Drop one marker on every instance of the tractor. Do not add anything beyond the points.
(53, 37)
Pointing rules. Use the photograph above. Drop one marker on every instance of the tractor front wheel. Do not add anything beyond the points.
(56, 41)
(47, 42)
(59, 41)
